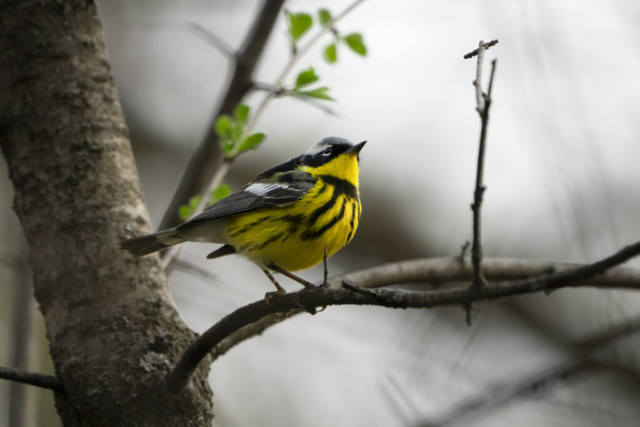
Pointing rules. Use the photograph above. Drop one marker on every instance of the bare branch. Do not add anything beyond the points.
(483, 103)
(212, 39)
(249, 331)
(22, 398)
(542, 382)
(442, 271)
(392, 298)
(475, 52)
(39, 380)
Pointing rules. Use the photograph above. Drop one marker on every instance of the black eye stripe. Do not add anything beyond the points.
(325, 156)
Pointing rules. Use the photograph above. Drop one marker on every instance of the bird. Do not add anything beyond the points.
(290, 218)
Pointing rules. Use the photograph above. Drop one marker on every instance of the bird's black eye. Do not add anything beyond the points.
(327, 152)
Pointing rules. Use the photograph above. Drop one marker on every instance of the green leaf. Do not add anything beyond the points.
(306, 77)
(355, 42)
(330, 53)
(195, 201)
(320, 93)
(223, 125)
(241, 114)
(226, 144)
(236, 132)
(184, 212)
(325, 16)
(299, 23)
(220, 193)
(251, 142)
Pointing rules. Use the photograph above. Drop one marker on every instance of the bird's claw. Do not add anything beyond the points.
(269, 295)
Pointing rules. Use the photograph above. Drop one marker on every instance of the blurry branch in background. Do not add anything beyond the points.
(483, 101)
(536, 385)
(492, 400)
(21, 398)
(39, 380)
(231, 151)
(188, 267)
(212, 39)
(392, 298)
(205, 160)
(24, 307)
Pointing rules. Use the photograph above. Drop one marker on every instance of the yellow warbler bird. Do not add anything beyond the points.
(285, 219)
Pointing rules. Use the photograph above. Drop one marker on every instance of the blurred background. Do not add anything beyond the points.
(562, 177)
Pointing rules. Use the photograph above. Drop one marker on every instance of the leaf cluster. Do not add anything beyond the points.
(230, 130)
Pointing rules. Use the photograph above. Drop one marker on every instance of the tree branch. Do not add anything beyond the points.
(39, 380)
(439, 272)
(393, 298)
(21, 397)
(540, 383)
(206, 159)
(483, 104)
(317, 104)
(213, 40)
(475, 52)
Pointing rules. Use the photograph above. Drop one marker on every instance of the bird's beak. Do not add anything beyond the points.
(356, 148)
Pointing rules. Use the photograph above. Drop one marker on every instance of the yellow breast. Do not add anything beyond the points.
(294, 237)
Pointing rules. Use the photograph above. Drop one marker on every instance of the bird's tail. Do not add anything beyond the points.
(150, 243)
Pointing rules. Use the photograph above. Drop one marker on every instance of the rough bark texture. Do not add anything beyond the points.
(113, 328)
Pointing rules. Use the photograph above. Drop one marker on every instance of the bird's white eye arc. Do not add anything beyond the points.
(327, 152)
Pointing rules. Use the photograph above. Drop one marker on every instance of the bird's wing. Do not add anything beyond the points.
(284, 189)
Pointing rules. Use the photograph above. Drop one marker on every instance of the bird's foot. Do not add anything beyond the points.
(269, 295)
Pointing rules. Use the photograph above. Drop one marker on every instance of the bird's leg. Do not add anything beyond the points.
(308, 285)
(325, 284)
(280, 291)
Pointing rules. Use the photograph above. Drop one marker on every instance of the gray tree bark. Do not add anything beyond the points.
(113, 327)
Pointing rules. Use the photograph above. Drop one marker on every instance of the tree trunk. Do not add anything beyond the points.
(113, 327)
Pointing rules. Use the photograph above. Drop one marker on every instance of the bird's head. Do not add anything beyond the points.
(333, 156)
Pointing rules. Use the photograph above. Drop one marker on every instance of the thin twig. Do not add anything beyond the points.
(475, 52)
(39, 380)
(188, 267)
(295, 95)
(212, 39)
(483, 103)
(463, 251)
(393, 298)
(22, 398)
